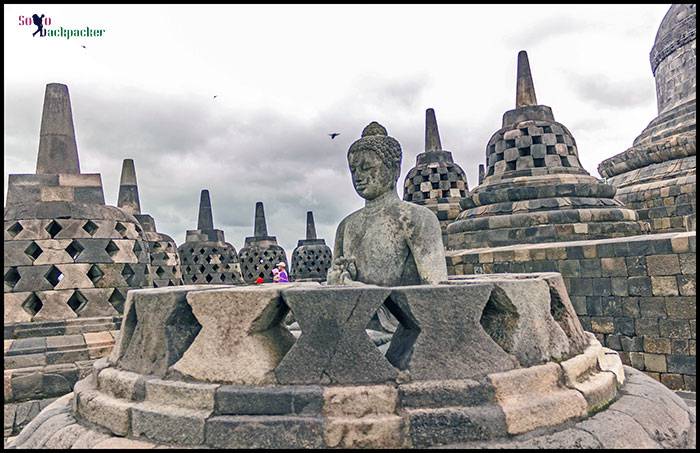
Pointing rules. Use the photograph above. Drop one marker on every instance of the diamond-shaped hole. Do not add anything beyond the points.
(202, 268)
(121, 229)
(128, 273)
(77, 301)
(12, 277)
(117, 300)
(500, 319)
(208, 278)
(137, 247)
(54, 276)
(53, 228)
(156, 246)
(95, 274)
(33, 251)
(112, 248)
(90, 227)
(159, 272)
(74, 249)
(15, 229)
(400, 348)
(32, 304)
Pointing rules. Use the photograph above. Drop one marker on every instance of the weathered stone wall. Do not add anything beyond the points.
(637, 294)
(673, 63)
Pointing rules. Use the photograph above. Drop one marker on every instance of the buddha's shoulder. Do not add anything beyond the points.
(415, 210)
(349, 218)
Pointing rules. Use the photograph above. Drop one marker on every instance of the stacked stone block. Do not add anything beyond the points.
(312, 258)
(164, 264)
(656, 176)
(534, 188)
(205, 256)
(223, 372)
(69, 261)
(436, 182)
(260, 253)
(637, 295)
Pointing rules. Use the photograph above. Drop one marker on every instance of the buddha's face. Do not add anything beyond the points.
(370, 176)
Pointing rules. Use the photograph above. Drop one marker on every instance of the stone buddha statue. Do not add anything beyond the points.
(389, 242)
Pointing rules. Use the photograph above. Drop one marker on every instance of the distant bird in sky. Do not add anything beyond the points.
(215, 96)
(83, 47)
(334, 135)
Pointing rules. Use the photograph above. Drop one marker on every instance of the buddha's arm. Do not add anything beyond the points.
(425, 243)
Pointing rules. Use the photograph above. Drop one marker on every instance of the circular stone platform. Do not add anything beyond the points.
(214, 367)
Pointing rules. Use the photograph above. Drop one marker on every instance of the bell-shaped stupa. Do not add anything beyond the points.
(312, 258)
(535, 189)
(260, 253)
(164, 261)
(436, 181)
(205, 256)
(656, 176)
(69, 262)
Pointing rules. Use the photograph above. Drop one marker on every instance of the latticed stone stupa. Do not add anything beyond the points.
(436, 182)
(656, 176)
(164, 261)
(205, 256)
(260, 253)
(535, 189)
(312, 258)
(69, 261)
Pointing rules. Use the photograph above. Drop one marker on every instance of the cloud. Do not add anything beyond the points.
(181, 145)
(603, 91)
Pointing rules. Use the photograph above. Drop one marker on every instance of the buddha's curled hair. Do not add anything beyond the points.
(375, 138)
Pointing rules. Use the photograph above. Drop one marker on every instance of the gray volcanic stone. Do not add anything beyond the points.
(158, 328)
(264, 432)
(443, 393)
(58, 152)
(246, 400)
(334, 347)
(168, 424)
(429, 427)
(440, 335)
(390, 242)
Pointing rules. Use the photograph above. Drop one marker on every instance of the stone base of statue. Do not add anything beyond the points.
(483, 361)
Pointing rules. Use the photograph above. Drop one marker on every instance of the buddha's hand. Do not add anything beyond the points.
(342, 272)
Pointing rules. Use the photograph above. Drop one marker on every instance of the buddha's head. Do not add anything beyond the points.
(375, 162)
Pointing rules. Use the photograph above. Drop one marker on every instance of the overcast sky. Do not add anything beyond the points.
(287, 75)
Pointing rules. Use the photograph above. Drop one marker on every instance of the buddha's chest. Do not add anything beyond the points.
(375, 239)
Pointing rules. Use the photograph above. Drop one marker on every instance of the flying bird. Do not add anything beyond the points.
(215, 96)
(334, 135)
(83, 46)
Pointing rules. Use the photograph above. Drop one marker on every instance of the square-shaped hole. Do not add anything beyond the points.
(77, 301)
(539, 162)
(33, 251)
(90, 227)
(12, 277)
(54, 276)
(117, 300)
(112, 248)
(53, 228)
(94, 274)
(74, 249)
(560, 138)
(32, 304)
(551, 150)
(128, 273)
(121, 229)
(15, 229)
(536, 139)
